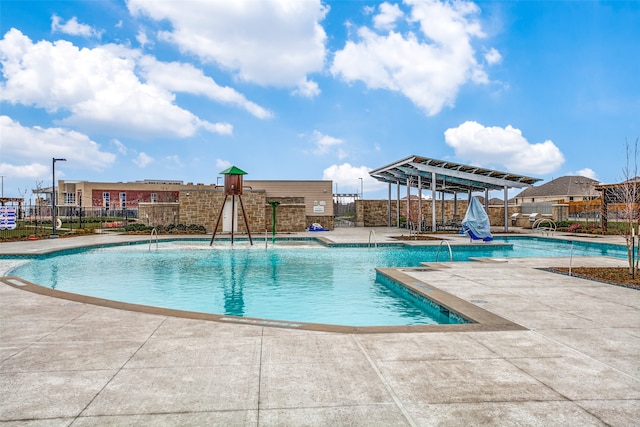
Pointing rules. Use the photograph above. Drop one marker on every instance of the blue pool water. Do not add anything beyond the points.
(302, 283)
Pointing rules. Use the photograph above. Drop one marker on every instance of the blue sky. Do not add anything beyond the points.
(309, 90)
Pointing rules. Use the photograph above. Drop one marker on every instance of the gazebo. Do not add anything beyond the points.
(447, 177)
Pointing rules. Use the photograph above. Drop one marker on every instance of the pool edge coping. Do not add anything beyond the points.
(483, 319)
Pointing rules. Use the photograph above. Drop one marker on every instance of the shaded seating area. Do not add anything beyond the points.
(445, 179)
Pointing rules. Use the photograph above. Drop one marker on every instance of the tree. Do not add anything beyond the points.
(627, 195)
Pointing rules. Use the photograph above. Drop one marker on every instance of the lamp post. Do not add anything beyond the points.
(53, 196)
(361, 188)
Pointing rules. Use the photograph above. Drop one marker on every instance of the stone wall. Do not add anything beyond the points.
(290, 214)
(373, 213)
(203, 207)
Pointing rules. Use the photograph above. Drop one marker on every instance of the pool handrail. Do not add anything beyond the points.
(450, 251)
(153, 232)
(375, 242)
(544, 225)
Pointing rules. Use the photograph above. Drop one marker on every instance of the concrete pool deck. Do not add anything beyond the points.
(577, 362)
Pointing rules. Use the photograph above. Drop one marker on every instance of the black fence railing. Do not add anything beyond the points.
(35, 221)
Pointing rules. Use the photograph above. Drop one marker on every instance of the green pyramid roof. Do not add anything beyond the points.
(233, 170)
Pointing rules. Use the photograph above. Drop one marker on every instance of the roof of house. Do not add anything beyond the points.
(569, 185)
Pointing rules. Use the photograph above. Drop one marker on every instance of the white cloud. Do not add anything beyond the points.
(185, 78)
(142, 38)
(492, 56)
(32, 170)
(386, 19)
(122, 149)
(324, 143)
(429, 66)
(268, 42)
(503, 148)
(307, 89)
(348, 178)
(31, 149)
(100, 89)
(72, 27)
(143, 160)
(174, 160)
(586, 172)
(223, 164)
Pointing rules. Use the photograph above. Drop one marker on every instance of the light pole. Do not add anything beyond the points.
(53, 195)
(361, 188)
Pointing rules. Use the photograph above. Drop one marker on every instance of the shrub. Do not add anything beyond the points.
(573, 228)
(137, 227)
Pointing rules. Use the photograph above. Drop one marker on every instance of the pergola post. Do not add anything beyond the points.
(420, 202)
(455, 203)
(408, 201)
(398, 204)
(486, 200)
(389, 207)
(506, 209)
(433, 202)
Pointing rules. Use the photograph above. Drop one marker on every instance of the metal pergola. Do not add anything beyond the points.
(446, 177)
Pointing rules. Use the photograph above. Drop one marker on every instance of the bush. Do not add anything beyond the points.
(137, 227)
(170, 228)
(573, 228)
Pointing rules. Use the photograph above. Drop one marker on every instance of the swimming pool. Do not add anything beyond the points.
(307, 282)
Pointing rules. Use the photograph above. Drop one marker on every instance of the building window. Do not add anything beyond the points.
(154, 197)
(69, 199)
(571, 198)
(533, 200)
(123, 200)
(105, 200)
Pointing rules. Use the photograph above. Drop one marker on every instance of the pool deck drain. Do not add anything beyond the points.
(69, 363)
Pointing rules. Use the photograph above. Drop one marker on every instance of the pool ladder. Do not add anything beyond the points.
(450, 252)
(154, 232)
(375, 242)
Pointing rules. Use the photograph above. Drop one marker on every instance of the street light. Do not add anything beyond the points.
(361, 188)
(53, 195)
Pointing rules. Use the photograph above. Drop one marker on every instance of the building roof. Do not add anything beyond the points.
(570, 185)
(450, 177)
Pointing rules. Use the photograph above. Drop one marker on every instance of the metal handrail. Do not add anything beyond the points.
(450, 252)
(153, 232)
(544, 225)
(375, 242)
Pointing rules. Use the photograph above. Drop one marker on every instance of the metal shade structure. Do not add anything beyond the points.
(425, 173)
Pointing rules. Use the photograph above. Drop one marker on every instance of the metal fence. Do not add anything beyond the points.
(543, 208)
(36, 220)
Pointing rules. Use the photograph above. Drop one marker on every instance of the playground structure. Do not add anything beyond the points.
(233, 188)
